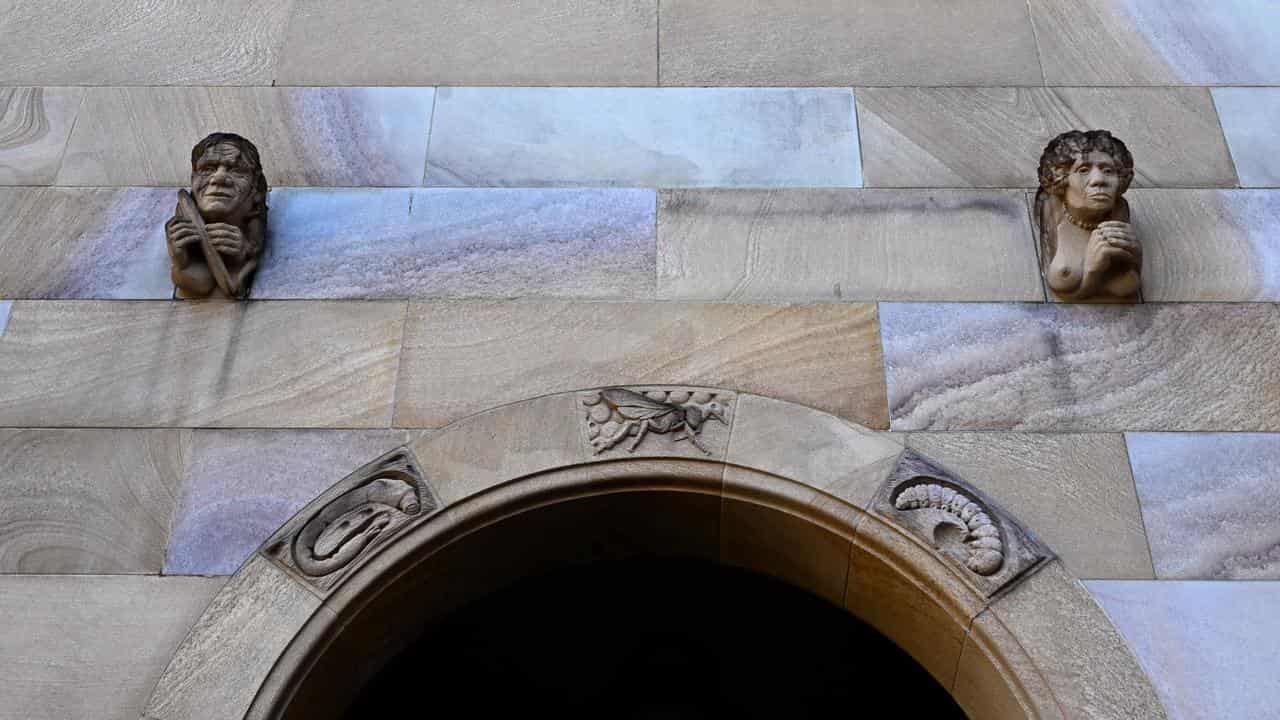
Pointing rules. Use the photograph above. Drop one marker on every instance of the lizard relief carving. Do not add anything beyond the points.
(961, 524)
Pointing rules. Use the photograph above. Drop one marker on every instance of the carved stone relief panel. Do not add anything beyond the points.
(216, 236)
(624, 419)
(368, 508)
(1088, 248)
(965, 527)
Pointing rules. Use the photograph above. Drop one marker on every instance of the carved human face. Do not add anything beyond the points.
(1093, 185)
(222, 183)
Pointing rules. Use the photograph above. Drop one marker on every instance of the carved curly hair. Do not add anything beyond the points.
(1063, 151)
(250, 152)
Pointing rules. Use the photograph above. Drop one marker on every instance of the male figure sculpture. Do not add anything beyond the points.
(1089, 250)
(219, 229)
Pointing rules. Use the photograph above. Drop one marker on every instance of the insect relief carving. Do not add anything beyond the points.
(981, 536)
(614, 415)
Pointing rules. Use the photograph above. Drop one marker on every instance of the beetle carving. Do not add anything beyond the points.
(638, 415)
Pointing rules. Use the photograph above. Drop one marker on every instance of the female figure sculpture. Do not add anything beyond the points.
(1088, 248)
(218, 231)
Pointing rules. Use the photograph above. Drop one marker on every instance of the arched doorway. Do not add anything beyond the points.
(831, 508)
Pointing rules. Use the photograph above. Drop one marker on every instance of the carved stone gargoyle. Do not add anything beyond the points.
(1088, 249)
(218, 231)
(366, 509)
(991, 549)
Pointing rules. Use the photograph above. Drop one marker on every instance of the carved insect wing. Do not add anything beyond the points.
(634, 406)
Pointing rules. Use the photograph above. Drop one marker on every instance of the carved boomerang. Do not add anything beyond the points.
(187, 207)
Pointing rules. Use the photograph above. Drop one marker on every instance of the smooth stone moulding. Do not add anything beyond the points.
(459, 242)
(646, 137)
(1210, 503)
(1055, 367)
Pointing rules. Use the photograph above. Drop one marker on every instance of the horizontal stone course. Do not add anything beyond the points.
(91, 647)
(1208, 647)
(306, 136)
(993, 136)
(1210, 503)
(831, 244)
(655, 137)
(493, 242)
(162, 364)
(463, 357)
(1052, 367)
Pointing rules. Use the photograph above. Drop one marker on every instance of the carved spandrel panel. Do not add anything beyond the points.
(367, 509)
(657, 419)
(990, 547)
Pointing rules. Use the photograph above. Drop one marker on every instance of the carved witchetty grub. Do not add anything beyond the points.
(960, 523)
(617, 414)
(366, 509)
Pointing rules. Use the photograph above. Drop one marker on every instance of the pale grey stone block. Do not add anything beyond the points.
(1082, 367)
(645, 137)
(85, 243)
(68, 42)
(5, 307)
(239, 486)
(307, 136)
(1210, 501)
(471, 42)
(784, 42)
(1208, 245)
(819, 244)
(1158, 42)
(90, 647)
(579, 243)
(1210, 648)
(1251, 120)
(34, 126)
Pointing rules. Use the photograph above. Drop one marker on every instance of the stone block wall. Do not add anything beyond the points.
(480, 202)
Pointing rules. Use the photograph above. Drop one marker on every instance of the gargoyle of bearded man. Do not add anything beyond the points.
(217, 235)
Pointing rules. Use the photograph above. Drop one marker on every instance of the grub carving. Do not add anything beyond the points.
(959, 523)
(616, 414)
(364, 510)
(1089, 250)
(216, 236)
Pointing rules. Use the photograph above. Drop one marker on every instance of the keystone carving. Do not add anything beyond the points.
(366, 509)
(614, 415)
(1090, 252)
(965, 527)
(218, 231)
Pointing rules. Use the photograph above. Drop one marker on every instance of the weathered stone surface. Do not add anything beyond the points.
(85, 243)
(218, 668)
(644, 137)
(1157, 42)
(285, 364)
(308, 136)
(240, 485)
(806, 446)
(1209, 647)
(996, 679)
(90, 647)
(1082, 367)
(820, 244)
(1087, 665)
(5, 307)
(992, 137)
(87, 501)
(457, 42)
(34, 126)
(460, 242)
(168, 43)
(463, 357)
(776, 42)
(1073, 491)
(1209, 245)
(1248, 119)
(1210, 502)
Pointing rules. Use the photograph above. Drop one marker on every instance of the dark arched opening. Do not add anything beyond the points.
(651, 639)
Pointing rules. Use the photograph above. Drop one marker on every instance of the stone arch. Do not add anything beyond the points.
(776, 487)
